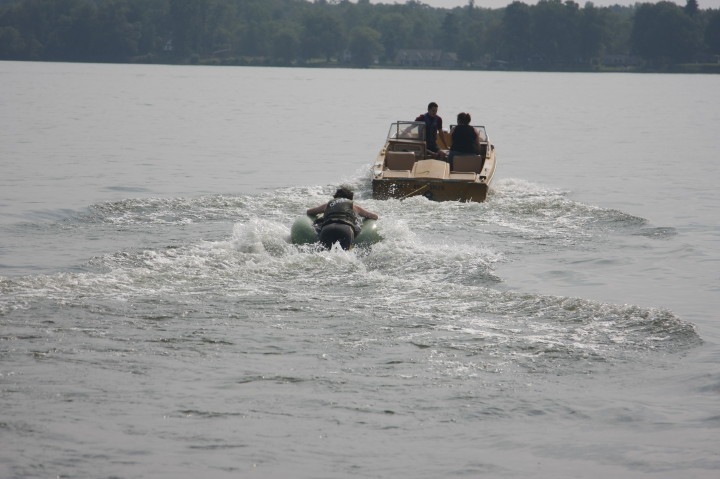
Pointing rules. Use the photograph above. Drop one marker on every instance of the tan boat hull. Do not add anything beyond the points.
(439, 190)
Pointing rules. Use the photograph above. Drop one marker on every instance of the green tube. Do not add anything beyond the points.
(303, 232)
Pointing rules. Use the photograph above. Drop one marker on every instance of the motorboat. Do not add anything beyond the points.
(404, 168)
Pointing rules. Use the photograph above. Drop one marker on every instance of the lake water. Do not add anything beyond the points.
(155, 322)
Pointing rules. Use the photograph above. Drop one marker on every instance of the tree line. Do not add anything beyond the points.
(549, 35)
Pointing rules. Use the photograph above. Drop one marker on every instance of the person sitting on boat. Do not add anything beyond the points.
(341, 220)
(465, 139)
(433, 125)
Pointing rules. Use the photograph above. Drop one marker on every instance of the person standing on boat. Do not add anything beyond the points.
(433, 125)
(341, 220)
(465, 139)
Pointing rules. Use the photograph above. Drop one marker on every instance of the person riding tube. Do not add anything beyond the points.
(341, 221)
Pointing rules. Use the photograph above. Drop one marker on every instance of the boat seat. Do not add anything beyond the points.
(467, 164)
(417, 147)
(399, 160)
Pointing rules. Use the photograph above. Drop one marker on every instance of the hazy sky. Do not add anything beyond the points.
(704, 4)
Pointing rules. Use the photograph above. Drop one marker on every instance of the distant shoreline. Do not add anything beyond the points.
(689, 68)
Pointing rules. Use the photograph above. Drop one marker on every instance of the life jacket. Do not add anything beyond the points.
(340, 210)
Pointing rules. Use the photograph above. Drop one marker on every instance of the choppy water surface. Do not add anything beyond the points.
(159, 335)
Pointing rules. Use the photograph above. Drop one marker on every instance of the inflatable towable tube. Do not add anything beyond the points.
(303, 232)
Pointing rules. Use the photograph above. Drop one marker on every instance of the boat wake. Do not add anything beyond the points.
(430, 285)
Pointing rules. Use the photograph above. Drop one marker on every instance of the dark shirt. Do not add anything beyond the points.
(433, 124)
(464, 139)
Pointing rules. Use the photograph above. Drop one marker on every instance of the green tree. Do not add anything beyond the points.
(555, 32)
(617, 30)
(712, 33)
(117, 38)
(450, 33)
(470, 48)
(285, 44)
(663, 33)
(691, 7)
(364, 46)
(188, 26)
(12, 45)
(73, 33)
(394, 33)
(591, 33)
(322, 34)
(515, 32)
(252, 33)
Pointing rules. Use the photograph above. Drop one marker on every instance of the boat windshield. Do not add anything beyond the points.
(407, 130)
